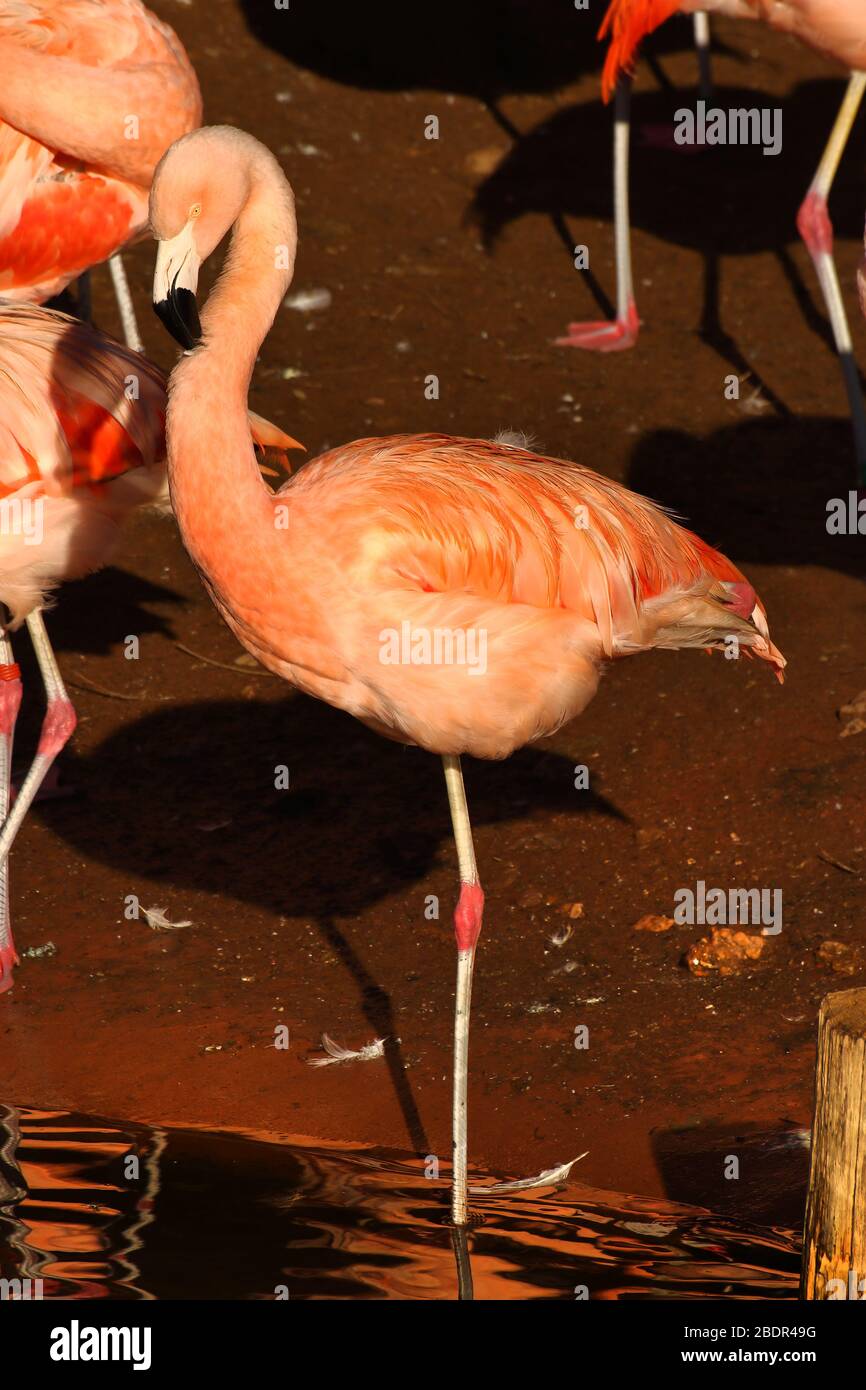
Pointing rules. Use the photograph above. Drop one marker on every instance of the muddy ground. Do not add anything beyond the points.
(308, 905)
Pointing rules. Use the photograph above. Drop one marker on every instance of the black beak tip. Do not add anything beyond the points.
(179, 314)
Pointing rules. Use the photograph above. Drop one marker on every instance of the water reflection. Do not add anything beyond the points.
(101, 1210)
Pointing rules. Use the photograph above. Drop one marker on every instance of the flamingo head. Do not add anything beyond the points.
(200, 188)
(744, 601)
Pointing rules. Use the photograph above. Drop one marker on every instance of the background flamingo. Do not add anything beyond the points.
(93, 92)
(836, 28)
(82, 424)
(560, 570)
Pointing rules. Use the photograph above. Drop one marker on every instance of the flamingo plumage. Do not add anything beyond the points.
(82, 445)
(558, 569)
(93, 92)
(835, 28)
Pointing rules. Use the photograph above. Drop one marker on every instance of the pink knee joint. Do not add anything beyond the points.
(8, 961)
(814, 225)
(467, 916)
(10, 697)
(57, 728)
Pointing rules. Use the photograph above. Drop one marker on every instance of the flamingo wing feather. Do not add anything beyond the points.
(75, 406)
(628, 22)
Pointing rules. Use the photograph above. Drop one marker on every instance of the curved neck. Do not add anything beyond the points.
(256, 275)
(219, 497)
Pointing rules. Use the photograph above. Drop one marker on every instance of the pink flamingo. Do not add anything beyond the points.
(836, 28)
(82, 444)
(343, 580)
(93, 92)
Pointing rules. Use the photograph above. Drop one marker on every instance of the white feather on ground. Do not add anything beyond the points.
(156, 919)
(551, 1177)
(336, 1053)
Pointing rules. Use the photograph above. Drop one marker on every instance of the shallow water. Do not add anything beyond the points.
(96, 1209)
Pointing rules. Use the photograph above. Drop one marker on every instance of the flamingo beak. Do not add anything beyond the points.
(175, 281)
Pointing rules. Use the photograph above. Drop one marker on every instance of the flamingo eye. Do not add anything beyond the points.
(195, 211)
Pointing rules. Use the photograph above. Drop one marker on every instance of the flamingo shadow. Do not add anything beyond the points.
(758, 489)
(706, 201)
(341, 832)
(486, 49)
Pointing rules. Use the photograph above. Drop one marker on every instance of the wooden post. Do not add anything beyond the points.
(834, 1240)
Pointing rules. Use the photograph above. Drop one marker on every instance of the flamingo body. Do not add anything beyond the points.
(82, 431)
(82, 436)
(550, 568)
(74, 173)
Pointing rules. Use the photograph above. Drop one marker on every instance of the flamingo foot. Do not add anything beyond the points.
(8, 961)
(604, 336)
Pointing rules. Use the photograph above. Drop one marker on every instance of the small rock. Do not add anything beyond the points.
(573, 909)
(855, 713)
(531, 898)
(725, 950)
(39, 952)
(653, 922)
(841, 958)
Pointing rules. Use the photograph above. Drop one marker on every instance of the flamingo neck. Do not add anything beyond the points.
(222, 504)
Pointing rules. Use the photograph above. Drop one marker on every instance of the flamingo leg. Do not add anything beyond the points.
(123, 295)
(622, 333)
(467, 927)
(57, 727)
(816, 229)
(10, 702)
(702, 45)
